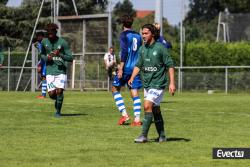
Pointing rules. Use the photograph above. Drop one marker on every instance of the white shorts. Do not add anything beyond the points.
(154, 95)
(56, 81)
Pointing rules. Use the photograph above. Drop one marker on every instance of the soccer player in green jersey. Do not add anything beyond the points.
(153, 63)
(56, 53)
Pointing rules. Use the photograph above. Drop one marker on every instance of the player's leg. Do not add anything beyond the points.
(137, 107)
(148, 117)
(60, 81)
(44, 86)
(159, 123)
(156, 97)
(136, 100)
(117, 83)
(51, 86)
(59, 101)
(44, 82)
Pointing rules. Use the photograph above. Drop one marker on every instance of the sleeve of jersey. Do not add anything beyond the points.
(124, 47)
(67, 55)
(167, 59)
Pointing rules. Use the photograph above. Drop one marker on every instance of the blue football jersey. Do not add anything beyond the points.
(165, 43)
(130, 42)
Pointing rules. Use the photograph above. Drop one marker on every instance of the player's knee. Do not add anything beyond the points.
(115, 89)
(52, 95)
(147, 107)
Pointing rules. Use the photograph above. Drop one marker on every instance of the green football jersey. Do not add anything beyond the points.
(58, 65)
(154, 61)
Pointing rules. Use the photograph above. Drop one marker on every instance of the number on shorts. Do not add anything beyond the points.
(51, 85)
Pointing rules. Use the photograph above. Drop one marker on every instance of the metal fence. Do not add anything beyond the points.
(213, 78)
(207, 78)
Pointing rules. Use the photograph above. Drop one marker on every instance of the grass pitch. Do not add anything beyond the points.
(88, 134)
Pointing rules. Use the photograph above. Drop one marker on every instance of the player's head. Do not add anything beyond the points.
(127, 21)
(157, 26)
(111, 49)
(52, 30)
(149, 33)
(39, 36)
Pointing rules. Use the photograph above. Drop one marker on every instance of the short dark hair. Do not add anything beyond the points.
(40, 33)
(127, 21)
(153, 30)
(51, 26)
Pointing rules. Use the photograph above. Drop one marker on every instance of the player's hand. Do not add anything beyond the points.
(50, 57)
(120, 72)
(171, 89)
(39, 69)
(130, 81)
(56, 52)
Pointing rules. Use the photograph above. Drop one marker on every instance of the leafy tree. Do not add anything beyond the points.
(121, 9)
(206, 10)
(202, 18)
(16, 24)
(3, 2)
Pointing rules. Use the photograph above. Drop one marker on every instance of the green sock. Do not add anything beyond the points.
(58, 103)
(159, 122)
(146, 123)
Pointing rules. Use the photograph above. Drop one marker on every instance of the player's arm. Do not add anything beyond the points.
(170, 65)
(105, 61)
(136, 71)
(120, 69)
(67, 54)
(171, 81)
(46, 57)
(137, 68)
(124, 53)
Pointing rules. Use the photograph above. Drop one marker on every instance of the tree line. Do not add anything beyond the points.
(200, 23)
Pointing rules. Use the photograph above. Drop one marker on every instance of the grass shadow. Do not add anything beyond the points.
(169, 102)
(171, 139)
(178, 139)
(73, 115)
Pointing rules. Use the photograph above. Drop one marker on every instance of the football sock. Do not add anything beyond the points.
(120, 103)
(44, 87)
(137, 108)
(58, 103)
(159, 123)
(146, 123)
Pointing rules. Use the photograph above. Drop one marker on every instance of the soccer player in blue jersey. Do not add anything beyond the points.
(161, 39)
(130, 42)
(41, 67)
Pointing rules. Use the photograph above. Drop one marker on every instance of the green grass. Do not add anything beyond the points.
(89, 136)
